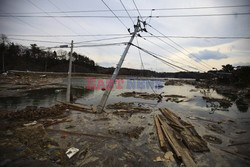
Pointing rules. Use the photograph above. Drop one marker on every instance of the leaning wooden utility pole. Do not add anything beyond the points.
(111, 83)
(69, 74)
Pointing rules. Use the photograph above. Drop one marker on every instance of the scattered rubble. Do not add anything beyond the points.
(212, 139)
(217, 104)
(71, 152)
(215, 128)
(168, 157)
(173, 82)
(131, 108)
(80, 107)
(31, 113)
(176, 98)
(143, 95)
(31, 142)
(131, 132)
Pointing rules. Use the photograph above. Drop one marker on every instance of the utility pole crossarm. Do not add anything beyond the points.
(111, 83)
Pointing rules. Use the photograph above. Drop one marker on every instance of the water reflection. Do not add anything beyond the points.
(49, 96)
(42, 97)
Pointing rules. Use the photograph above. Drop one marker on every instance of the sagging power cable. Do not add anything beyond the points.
(157, 57)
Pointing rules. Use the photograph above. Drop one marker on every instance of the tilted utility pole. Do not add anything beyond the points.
(111, 83)
(69, 74)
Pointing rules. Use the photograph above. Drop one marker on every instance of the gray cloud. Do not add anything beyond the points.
(208, 55)
(242, 64)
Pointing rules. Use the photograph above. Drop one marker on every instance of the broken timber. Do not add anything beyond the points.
(180, 150)
(80, 107)
(160, 134)
(179, 135)
(187, 132)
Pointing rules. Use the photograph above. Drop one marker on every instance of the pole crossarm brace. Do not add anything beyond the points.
(137, 28)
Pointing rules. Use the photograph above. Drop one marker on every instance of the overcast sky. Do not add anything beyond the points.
(199, 53)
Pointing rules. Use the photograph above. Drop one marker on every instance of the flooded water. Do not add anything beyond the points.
(192, 106)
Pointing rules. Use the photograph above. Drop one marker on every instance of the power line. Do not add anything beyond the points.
(174, 48)
(201, 7)
(38, 40)
(208, 66)
(122, 16)
(155, 56)
(127, 12)
(34, 27)
(104, 44)
(52, 16)
(142, 65)
(138, 10)
(122, 10)
(114, 14)
(170, 53)
(66, 14)
(159, 36)
(203, 37)
(104, 39)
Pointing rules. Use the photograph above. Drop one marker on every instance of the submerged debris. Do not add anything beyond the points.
(216, 103)
(173, 82)
(212, 139)
(215, 128)
(143, 95)
(31, 142)
(31, 113)
(176, 98)
(131, 108)
(131, 133)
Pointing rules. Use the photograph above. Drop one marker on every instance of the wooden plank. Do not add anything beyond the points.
(180, 151)
(160, 134)
(190, 137)
(173, 145)
(80, 107)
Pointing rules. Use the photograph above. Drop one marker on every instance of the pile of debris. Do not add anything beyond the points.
(143, 95)
(80, 107)
(176, 98)
(218, 104)
(30, 145)
(131, 108)
(131, 132)
(178, 137)
(34, 113)
(173, 82)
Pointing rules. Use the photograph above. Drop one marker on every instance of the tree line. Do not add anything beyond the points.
(33, 58)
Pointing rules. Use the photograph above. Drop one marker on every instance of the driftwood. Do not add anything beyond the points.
(47, 123)
(180, 150)
(160, 134)
(187, 132)
(80, 107)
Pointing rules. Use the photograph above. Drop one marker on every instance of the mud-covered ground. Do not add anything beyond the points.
(119, 137)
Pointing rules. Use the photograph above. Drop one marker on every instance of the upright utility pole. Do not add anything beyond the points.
(3, 52)
(111, 83)
(69, 74)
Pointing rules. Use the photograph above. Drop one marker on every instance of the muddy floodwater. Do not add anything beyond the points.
(130, 139)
